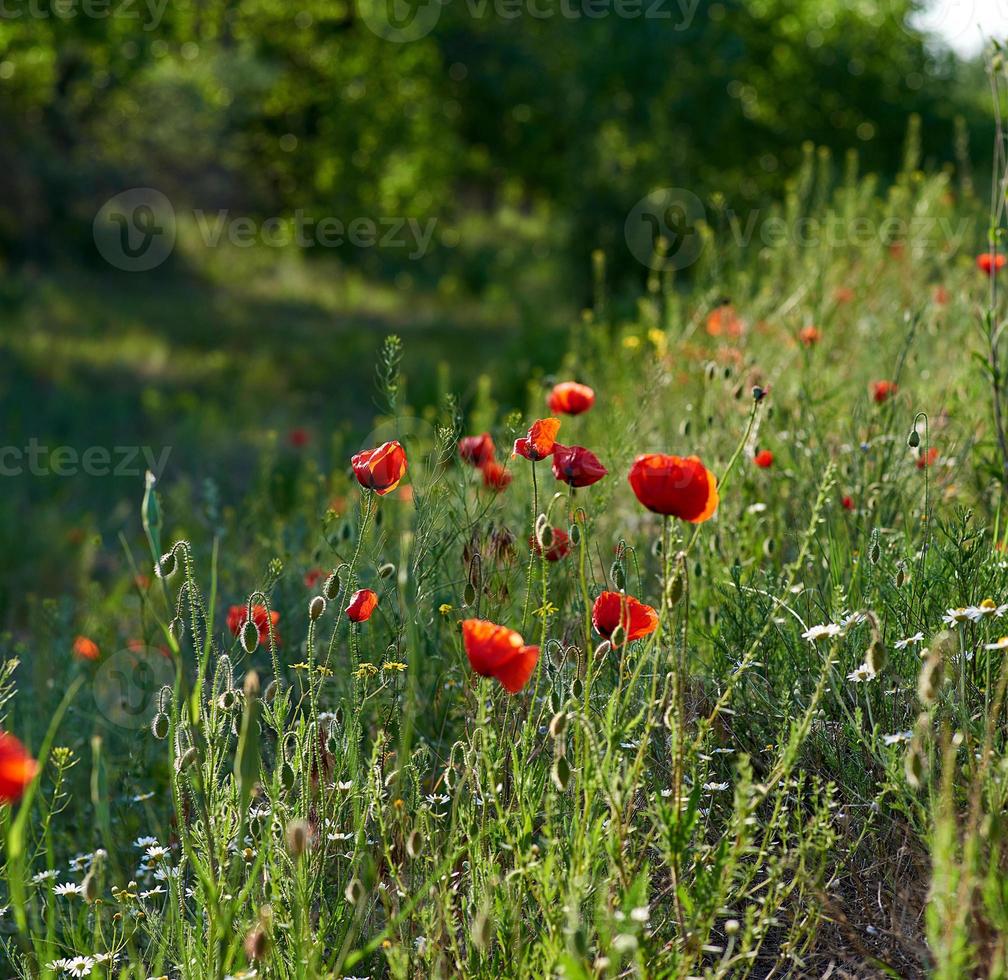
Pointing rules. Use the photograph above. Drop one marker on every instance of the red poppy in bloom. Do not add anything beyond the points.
(848, 503)
(238, 614)
(809, 336)
(380, 469)
(577, 466)
(298, 438)
(725, 322)
(477, 450)
(495, 476)
(362, 603)
(614, 609)
(927, 459)
(882, 391)
(496, 651)
(85, 648)
(673, 485)
(570, 398)
(558, 549)
(17, 768)
(312, 576)
(539, 442)
(990, 263)
(763, 459)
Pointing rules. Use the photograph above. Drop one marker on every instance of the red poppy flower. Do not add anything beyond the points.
(476, 450)
(927, 459)
(17, 768)
(498, 652)
(570, 398)
(614, 609)
(85, 648)
(848, 503)
(238, 614)
(725, 322)
(882, 391)
(298, 438)
(558, 549)
(990, 263)
(577, 466)
(673, 485)
(312, 576)
(539, 442)
(810, 336)
(380, 469)
(495, 476)
(362, 603)
(763, 459)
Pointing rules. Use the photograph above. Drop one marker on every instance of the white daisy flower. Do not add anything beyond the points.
(44, 876)
(1001, 644)
(142, 797)
(863, 673)
(903, 644)
(144, 842)
(156, 853)
(814, 633)
(68, 888)
(79, 966)
(954, 617)
(987, 609)
(154, 892)
(715, 787)
(897, 737)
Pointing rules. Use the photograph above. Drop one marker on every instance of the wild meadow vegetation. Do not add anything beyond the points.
(296, 735)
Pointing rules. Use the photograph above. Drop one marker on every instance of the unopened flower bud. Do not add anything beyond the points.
(875, 658)
(561, 773)
(166, 565)
(298, 833)
(160, 725)
(257, 943)
(331, 586)
(386, 570)
(249, 636)
(186, 759)
(316, 607)
(913, 440)
(558, 725)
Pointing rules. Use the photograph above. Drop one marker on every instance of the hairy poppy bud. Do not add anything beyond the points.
(177, 629)
(354, 891)
(331, 586)
(186, 759)
(257, 943)
(875, 554)
(618, 636)
(758, 394)
(914, 765)
(89, 887)
(159, 725)
(469, 594)
(602, 650)
(558, 725)
(297, 838)
(386, 570)
(249, 636)
(414, 844)
(913, 440)
(875, 658)
(561, 773)
(618, 575)
(272, 689)
(166, 565)
(929, 680)
(316, 607)
(228, 700)
(675, 590)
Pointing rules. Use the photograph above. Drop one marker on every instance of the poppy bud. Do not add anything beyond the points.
(710, 370)
(875, 658)
(89, 887)
(482, 932)
(684, 427)
(354, 891)
(577, 689)
(257, 943)
(287, 776)
(414, 844)
(900, 577)
(469, 594)
(386, 570)
(272, 689)
(558, 725)
(555, 702)
(574, 534)
(331, 588)
(875, 553)
(758, 394)
(228, 700)
(618, 636)
(249, 636)
(602, 650)
(913, 440)
(675, 590)
(185, 760)
(561, 773)
(929, 680)
(166, 565)
(316, 607)
(914, 765)
(546, 537)
(297, 838)
(177, 629)
(618, 575)
(159, 725)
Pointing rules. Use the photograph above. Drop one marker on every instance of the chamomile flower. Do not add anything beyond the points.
(814, 633)
(79, 966)
(44, 876)
(1001, 644)
(909, 641)
(987, 609)
(863, 673)
(897, 737)
(955, 617)
(68, 888)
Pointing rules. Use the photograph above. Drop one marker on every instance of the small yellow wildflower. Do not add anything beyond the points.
(365, 670)
(631, 341)
(445, 608)
(318, 668)
(393, 665)
(547, 609)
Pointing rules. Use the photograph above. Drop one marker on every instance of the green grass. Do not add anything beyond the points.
(718, 799)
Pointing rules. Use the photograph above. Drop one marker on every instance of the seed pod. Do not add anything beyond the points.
(561, 773)
(876, 656)
(387, 570)
(913, 440)
(160, 725)
(316, 607)
(249, 636)
(558, 725)
(297, 835)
